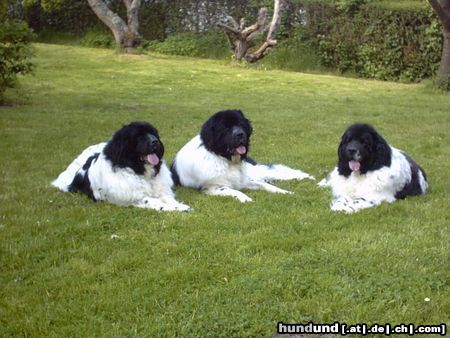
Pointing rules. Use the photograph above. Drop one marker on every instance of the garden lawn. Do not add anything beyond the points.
(72, 267)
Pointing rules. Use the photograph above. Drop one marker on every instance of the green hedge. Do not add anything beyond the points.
(384, 40)
(212, 44)
(15, 53)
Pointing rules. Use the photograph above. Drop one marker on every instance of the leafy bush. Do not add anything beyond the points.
(15, 53)
(210, 44)
(383, 41)
(442, 81)
(98, 38)
(293, 53)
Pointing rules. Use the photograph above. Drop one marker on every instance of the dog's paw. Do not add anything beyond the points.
(183, 207)
(344, 205)
(282, 191)
(243, 198)
(323, 183)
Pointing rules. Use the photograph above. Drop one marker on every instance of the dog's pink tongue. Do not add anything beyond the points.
(241, 150)
(152, 159)
(354, 165)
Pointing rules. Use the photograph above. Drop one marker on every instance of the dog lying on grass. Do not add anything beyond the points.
(216, 162)
(128, 170)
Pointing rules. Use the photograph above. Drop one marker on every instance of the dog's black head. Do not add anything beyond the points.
(227, 133)
(135, 146)
(362, 149)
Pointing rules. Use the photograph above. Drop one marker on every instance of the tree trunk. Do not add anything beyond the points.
(241, 37)
(442, 10)
(444, 68)
(126, 35)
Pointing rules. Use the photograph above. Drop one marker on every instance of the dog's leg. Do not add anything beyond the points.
(324, 183)
(173, 203)
(283, 172)
(159, 205)
(262, 172)
(226, 191)
(261, 185)
(350, 205)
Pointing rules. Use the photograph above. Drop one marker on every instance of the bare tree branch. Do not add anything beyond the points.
(242, 23)
(108, 17)
(125, 33)
(260, 23)
(240, 37)
(276, 21)
(133, 14)
(442, 11)
(233, 22)
(229, 29)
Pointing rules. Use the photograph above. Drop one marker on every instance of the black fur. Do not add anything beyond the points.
(131, 143)
(363, 142)
(251, 161)
(175, 177)
(126, 149)
(81, 181)
(226, 130)
(413, 187)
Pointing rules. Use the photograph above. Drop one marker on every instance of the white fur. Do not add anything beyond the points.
(360, 191)
(122, 186)
(202, 169)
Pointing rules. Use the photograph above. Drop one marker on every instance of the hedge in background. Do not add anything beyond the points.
(15, 53)
(384, 40)
(211, 44)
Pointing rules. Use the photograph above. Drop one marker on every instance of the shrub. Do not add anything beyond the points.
(98, 38)
(210, 44)
(442, 81)
(15, 53)
(386, 41)
(293, 53)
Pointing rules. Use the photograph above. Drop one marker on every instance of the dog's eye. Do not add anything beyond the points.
(365, 141)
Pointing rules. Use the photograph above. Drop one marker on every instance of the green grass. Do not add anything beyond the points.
(226, 269)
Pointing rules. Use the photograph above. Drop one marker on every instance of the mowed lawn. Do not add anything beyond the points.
(72, 267)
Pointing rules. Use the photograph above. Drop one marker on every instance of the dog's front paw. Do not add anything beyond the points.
(243, 198)
(343, 204)
(323, 183)
(282, 191)
(183, 207)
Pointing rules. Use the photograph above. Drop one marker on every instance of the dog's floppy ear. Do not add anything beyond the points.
(207, 133)
(342, 164)
(381, 152)
(247, 124)
(118, 147)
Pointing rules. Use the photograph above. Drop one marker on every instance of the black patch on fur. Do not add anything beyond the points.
(375, 152)
(413, 187)
(81, 181)
(224, 131)
(129, 144)
(175, 176)
(251, 161)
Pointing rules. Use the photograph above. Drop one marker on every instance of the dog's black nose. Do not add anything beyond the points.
(154, 140)
(238, 133)
(352, 151)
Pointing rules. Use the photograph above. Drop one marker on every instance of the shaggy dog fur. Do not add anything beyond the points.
(370, 171)
(127, 170)
(216, 161)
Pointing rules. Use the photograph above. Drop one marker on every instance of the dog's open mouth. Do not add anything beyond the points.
(151, 159)
(241, 150)
(354, 165)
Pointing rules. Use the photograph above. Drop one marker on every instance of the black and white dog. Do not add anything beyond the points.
(216, 161)
(370, 171)
(127, 170)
